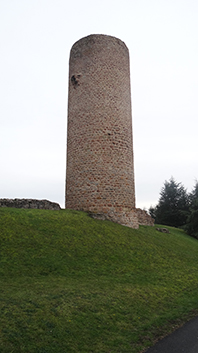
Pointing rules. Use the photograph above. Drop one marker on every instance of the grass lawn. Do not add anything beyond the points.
(69, 283)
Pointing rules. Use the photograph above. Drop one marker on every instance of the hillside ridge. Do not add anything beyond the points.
(71, 283)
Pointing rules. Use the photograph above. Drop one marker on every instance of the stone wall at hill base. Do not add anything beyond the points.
(30, 203)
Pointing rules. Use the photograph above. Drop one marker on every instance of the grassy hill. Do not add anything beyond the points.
(70, 283)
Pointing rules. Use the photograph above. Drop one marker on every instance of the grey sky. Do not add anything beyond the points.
(35, 39)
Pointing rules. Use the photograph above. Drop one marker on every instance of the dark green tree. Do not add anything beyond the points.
(192, 220)
(173, 206)
(152, 211)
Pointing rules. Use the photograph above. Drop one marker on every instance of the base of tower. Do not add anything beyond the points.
(125, 217)
(131, 218)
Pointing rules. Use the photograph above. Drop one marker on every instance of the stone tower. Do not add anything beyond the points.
(100, 170)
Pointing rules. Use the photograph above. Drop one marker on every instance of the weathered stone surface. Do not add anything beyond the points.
(100, 170)
(134, 218)
(163, 230)
(144, 218)
(127, 218)
(29, 203)
(99, 216)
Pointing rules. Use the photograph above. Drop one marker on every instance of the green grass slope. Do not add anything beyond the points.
(69, 283)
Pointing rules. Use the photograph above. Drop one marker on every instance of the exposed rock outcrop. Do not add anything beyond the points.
(163, 230)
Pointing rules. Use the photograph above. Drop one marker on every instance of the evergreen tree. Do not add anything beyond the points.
(173, 206)
(192, 221)
(152, 212)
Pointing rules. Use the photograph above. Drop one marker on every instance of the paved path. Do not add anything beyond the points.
(183, 340)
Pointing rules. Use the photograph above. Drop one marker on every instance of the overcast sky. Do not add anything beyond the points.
(35, 40)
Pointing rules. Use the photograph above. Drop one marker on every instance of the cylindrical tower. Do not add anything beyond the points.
(100, 171)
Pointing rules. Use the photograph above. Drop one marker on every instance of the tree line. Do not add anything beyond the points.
(177, 208)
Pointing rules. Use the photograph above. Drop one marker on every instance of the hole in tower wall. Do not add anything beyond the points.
(75, 80)
(108, 132)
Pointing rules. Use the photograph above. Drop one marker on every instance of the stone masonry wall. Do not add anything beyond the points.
(29, 203)
(100, 171)
(144, 218)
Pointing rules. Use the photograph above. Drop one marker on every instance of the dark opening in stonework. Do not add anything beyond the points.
(75, 80)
